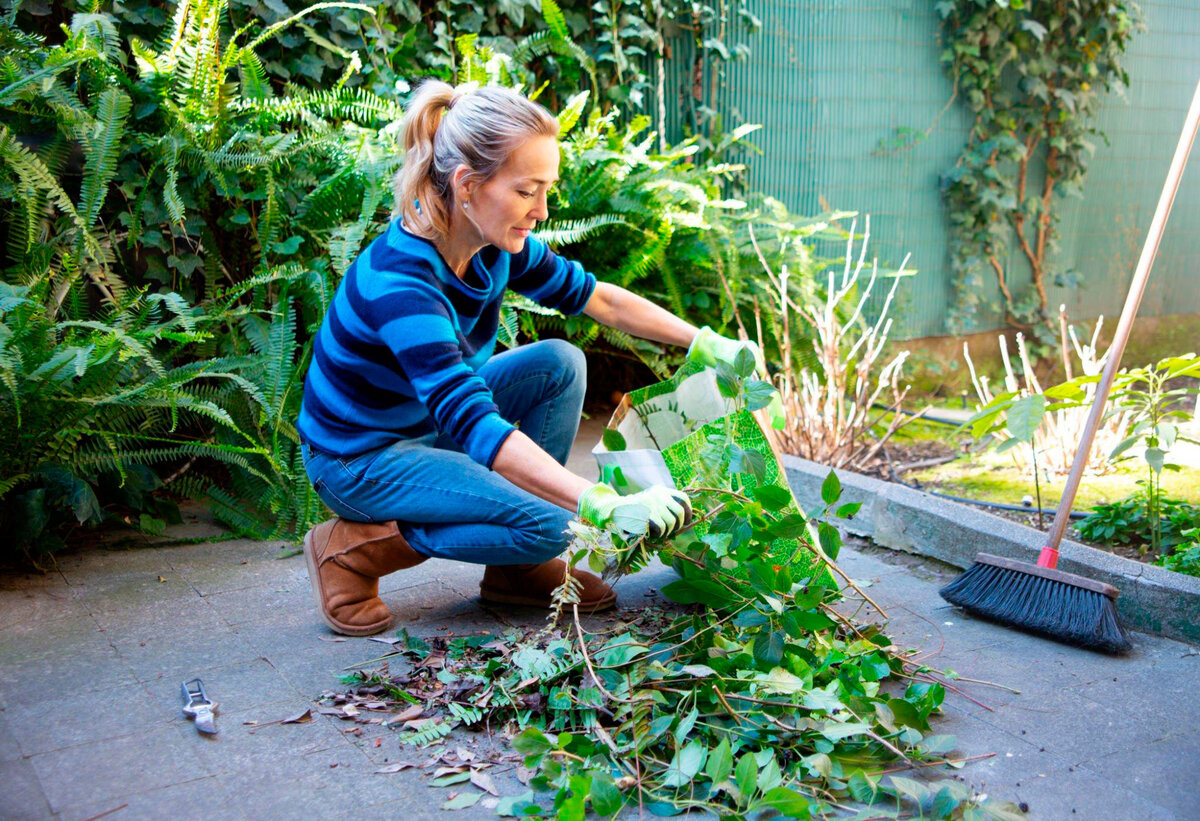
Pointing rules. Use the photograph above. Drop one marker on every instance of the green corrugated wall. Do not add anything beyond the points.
(830, 79)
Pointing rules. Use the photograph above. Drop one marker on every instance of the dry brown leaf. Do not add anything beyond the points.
(332, 639)
(484, 782)
(374, 705)
(393, 768)
(412, 712)
(350, 711)
(464, 754)
(299, 718)
(329, 711)
(440, 771)
(524, 774)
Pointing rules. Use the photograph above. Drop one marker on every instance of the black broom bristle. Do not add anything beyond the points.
(1052, 607)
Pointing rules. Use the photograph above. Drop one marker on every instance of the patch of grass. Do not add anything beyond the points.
(993, 478)
(919, 430)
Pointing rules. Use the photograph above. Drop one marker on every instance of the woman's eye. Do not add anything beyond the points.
(525, 194)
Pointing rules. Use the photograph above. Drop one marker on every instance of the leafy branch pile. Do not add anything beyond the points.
(763, 694)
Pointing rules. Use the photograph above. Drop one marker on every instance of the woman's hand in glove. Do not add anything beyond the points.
(658, 511)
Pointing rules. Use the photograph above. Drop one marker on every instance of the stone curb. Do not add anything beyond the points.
(1153, 600)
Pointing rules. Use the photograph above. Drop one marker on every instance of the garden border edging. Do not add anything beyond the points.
(1153, 600)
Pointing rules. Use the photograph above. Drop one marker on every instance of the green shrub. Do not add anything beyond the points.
(1128, 523)
(91, 403)
(1186, 557)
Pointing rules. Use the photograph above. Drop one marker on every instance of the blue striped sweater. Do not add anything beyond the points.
(398, 353)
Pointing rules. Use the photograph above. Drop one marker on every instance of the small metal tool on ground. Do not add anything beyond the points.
(198, 707)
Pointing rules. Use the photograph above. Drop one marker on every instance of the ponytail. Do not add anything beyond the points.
(446, 127)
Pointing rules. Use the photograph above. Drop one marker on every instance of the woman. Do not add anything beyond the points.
(420, 440)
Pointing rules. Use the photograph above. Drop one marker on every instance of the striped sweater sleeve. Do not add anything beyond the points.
(415, 324)
(548, 279)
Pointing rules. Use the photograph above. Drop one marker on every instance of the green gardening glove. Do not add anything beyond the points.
(658, 511)
(710, 348)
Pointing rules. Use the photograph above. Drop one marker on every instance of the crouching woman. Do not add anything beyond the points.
(424, 441)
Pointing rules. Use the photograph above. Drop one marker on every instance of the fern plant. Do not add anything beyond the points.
(90, 402)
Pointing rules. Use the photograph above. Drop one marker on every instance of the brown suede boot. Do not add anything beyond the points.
(345, 560)
(534, 584)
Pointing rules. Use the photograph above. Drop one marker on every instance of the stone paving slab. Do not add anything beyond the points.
(91, 657)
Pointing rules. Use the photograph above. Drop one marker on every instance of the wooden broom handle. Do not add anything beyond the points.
(1049, 557)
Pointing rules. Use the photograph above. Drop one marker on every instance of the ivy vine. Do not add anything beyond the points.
(1034, 73)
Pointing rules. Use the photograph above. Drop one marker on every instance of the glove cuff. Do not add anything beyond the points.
(701, 348)
(594, 503)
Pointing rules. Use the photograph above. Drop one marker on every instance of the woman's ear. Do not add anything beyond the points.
(462, 183)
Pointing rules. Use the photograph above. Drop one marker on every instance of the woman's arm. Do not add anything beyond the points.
(616, 307)
(530, 468)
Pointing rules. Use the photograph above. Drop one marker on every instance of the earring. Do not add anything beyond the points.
(466, 205)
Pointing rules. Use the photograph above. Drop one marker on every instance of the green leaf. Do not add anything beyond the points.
(862, 787)
(937, 744)
(684, 766)
(451, 779)
(720, 762)
(606, 798)
(830, 539)
(532, 741)
(613, 440)
(1025, 415)
(786, 801)
(772, 497)
(745, 775)
(758, 393)
(684, 728)
(848, 510)
(744, 362)
(831, 489)
(1154, 458)
(768, 648)
(288, 246)
(906, 787)
(697, 591)
(512, 806)
(837, 730)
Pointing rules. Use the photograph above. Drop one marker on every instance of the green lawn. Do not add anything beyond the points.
(994, 478)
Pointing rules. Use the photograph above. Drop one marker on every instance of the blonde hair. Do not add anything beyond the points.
(446, 127)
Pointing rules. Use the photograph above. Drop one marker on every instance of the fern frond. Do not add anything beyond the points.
(103, 149)
(558, 233)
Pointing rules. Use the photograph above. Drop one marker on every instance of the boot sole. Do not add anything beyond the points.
(336, 626)
(496, 597)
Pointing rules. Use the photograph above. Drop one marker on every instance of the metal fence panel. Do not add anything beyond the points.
(833, 80)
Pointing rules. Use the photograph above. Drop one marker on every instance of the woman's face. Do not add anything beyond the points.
(506, 208)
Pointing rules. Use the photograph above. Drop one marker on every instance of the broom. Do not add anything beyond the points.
(1040, 598)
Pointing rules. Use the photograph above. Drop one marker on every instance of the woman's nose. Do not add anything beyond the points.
(540, 210)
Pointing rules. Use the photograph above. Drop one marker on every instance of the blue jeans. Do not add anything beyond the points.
(449, 506)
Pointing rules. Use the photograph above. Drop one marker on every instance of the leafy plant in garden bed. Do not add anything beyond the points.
(836, 389)
(1059, 427)
(1127, 523)
(1151, 396)
(90, 403)
(1186, 557)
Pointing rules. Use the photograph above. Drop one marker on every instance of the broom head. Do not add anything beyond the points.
(1043, 600)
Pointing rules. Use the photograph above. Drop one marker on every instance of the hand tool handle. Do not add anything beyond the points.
(1049, 554)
